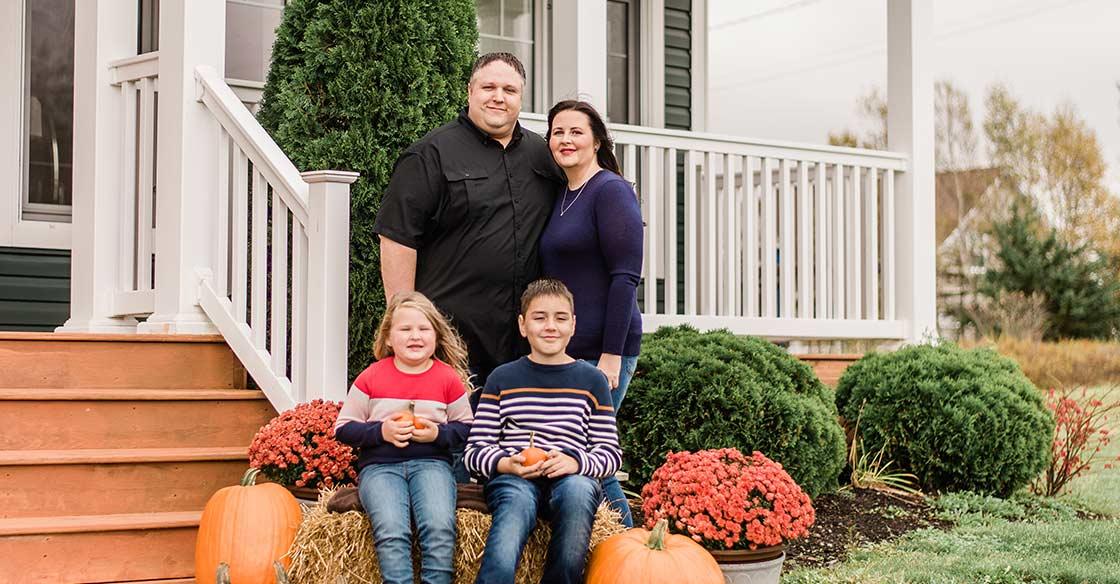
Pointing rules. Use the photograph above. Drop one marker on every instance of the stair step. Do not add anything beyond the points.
(129, 547)
(55, 360)
(130, 418)
(111, 481)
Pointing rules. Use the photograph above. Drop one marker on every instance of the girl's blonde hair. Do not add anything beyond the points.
(450, 347)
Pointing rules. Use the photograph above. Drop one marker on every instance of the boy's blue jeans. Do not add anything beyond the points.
(612, 491)
(568, 503)
(396, 494)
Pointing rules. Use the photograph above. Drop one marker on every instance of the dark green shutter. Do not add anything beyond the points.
(34, 289)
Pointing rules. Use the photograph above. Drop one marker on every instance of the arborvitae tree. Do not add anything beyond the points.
(1082, 290)
(352, 83)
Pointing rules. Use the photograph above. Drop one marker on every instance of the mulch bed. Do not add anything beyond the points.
(856, 518)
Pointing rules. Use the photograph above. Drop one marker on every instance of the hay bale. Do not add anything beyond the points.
(329, 545)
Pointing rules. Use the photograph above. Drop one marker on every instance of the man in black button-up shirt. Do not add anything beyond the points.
(464, 211)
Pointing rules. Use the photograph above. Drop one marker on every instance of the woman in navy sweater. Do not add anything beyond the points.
(593, 243)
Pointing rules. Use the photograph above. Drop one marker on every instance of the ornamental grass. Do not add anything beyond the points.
(726, 500)
(330, 546)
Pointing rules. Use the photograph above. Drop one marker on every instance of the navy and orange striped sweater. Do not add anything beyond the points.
(567, 408)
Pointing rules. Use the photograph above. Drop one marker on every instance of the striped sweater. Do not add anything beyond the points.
(382, 390)
(567, 407)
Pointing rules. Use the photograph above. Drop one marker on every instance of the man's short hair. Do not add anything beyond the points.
(507, 58)
(546, 287)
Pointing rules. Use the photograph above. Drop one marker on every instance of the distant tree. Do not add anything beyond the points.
(1081, 288)
(872, 110)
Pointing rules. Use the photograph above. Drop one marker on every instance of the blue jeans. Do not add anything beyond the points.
(568, 503)
(394, 495)
(612, 491)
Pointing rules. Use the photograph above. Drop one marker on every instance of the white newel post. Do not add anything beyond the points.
(328, 282)
(191, 33)
(910, 129)
(104, 31)
(579, 69)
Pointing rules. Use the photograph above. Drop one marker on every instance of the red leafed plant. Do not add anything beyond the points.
(1080, 434)
(298, 448)
(726, 500)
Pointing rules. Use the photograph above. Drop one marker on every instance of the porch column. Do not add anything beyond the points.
(104, 31)
(191, 33)
(579, 52)
(910, 129)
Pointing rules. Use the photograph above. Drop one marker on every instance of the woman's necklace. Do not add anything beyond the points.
(564, 204)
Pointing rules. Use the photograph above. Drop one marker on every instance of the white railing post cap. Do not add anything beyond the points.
(332, 176)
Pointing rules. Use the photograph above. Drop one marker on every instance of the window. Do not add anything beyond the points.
(48, 112)
(250, 32)
(622, 62)
(507, 25)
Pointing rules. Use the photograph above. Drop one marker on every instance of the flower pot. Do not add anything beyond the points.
(760, 566)
(305, 495)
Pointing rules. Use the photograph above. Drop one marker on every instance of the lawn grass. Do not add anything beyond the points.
(1001, 552)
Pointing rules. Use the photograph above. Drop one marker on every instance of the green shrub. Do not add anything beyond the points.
(696, 391)
(351, 85)
(961, 420)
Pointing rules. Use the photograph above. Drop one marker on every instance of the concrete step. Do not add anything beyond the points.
(100, 548)
(45, 483)
(56, 419)
(62, 361)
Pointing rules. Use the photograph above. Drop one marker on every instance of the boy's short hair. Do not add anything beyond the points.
(546, 287)
(507, 58)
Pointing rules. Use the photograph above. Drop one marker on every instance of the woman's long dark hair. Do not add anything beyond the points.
(605, 154)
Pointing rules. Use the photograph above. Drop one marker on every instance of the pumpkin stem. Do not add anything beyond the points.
(412, 407)
(221, 576)
(657, 536)
(531, 434)
(250, 477)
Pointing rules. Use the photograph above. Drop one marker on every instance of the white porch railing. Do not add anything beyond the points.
(277, 290)
(780, 240)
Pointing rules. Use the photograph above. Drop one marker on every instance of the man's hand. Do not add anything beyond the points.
(558, 465)
(513, 465)
(425, 430)
(396, 431)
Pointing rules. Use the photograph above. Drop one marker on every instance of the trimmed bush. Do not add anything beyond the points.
(696, 391)
(351, 85)
(961, 420)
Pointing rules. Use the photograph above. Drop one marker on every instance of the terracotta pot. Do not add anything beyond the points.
(760, 566)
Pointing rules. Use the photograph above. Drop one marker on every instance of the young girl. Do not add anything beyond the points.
(404, 461)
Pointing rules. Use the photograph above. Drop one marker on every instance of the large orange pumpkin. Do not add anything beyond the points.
(638, 556)
(247, 526)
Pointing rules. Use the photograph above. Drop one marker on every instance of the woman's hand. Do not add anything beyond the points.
(558, 465)
(425, 430)
(611, 366)
(396, 431)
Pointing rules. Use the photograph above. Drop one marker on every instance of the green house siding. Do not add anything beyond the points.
(678, 64)
(34, 289)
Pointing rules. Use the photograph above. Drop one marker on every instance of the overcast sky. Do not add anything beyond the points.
(794, 69)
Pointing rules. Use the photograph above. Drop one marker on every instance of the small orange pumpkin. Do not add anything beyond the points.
(248, 527)
(532, 454)
(638, 556)
(409, 415)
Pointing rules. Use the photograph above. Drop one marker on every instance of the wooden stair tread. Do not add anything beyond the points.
(139, 337)
(120, 455)
(94, 523)
(72, 394)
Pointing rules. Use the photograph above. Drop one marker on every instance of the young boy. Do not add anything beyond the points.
(566, 405)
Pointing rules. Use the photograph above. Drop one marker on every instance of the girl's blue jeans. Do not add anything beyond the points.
(612, 491)
(397, 494)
